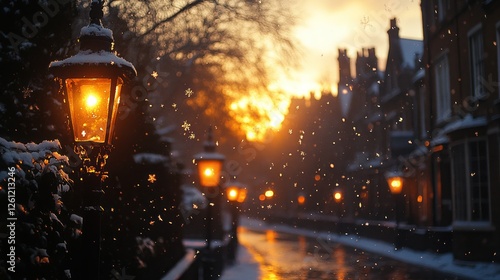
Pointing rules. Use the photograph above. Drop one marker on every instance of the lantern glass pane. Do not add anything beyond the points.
(116, 101)
(209, 172)
(89, 107)
(242, 195)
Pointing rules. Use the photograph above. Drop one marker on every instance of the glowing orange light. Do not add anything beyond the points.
(262, 197)
(317, 177)
(242, 195)
(91, 101)
(395, 184)
(337, 196)
(232, 194)
(210, 172)
(269, 193)
(301, 199)
(420, 199)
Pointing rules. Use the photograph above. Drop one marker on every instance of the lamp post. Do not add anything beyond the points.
(395, 182)
(236, 194)
(209, 165)
(91, 83)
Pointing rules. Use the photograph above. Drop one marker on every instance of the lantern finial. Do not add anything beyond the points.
(96, 13)
(209, 145)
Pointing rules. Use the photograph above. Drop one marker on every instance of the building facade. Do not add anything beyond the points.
(460, 114)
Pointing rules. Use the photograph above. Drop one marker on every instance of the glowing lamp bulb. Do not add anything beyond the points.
(91, 101)
(269, 193)
(337, 196)
(209, 172)
(232, 194)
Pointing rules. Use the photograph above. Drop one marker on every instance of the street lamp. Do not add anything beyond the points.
(395, 182)
(301, 199)
(337, 195)
(236, 194)
(91, 83)
(209, 165)
(269, 194)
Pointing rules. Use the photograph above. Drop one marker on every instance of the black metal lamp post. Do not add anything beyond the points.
(209, 165)
(91, 83)
(395, 182)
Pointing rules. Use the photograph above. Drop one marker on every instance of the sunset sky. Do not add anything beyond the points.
(326, 25)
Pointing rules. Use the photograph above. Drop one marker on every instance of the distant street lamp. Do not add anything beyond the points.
(395, 182)
(236, 194)
(269, 194)
(301, 199)
(337, 195)
(91, 83)
(209, 165)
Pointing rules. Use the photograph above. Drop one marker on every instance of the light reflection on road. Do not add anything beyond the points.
(295, 257)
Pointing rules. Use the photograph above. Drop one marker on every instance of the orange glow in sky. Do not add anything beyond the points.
(322, 28)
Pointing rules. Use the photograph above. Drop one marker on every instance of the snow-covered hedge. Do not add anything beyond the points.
(44, 229)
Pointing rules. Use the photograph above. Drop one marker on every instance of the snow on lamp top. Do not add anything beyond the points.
(96, 50)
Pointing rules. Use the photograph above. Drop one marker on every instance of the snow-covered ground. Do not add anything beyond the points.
(248, 268)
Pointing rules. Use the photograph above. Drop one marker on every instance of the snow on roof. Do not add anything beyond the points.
(209, 155)
(410, 48)
(467, 122)
(96, 30)
(93, 58)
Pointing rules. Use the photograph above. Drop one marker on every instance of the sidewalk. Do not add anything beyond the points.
(245, 267)
(439, 262)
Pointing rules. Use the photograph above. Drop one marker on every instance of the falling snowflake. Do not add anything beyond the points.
(269, 206)
(189, 92)
(186, 126)
(154, 74)
(290, 131)
(27, 92)
(152, 178)
(174, 105)
(192, 136)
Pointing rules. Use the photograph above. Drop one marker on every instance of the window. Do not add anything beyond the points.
(470, 181)
(476, 53)
(442, 81)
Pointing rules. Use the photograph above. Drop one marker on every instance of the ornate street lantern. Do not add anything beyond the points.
(209, 163)
(92, 81)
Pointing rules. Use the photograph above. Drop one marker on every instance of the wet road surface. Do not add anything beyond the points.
(295, 257)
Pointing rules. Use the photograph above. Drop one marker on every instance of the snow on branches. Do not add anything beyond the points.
(32, 160)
